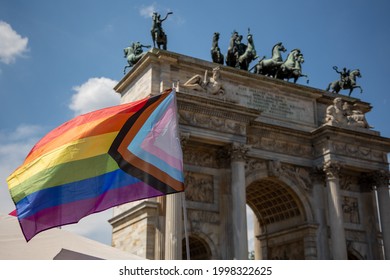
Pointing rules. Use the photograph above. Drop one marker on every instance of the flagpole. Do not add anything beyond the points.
(185, 225)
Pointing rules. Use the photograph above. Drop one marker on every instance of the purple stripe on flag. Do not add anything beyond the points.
(73, 212)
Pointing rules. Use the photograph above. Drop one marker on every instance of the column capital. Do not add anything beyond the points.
(366, 182)
(317, 174)
(332, 169)
(238, 151)
(381, 178)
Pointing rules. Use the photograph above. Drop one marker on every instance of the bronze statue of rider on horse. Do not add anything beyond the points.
(158, 35)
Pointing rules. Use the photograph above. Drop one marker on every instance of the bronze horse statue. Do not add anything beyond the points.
(249, 54)
(269, 67)
(295, 72)
(348, 82)
(133, 54)
(288, 65)
(231, 56)
(216, 54)
(158, 35)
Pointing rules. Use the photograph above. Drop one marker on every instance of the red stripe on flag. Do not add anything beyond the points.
(13, 213)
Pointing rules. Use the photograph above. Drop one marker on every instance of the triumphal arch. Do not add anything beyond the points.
(305, 160)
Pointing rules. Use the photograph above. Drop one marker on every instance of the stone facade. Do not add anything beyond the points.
(313, 179)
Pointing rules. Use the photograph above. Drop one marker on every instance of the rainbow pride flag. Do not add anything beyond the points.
(99, 160)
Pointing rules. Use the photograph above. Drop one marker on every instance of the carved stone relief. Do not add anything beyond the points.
(255, 164)
(274, 168)
(355, 236)
(290, 251)
(282, 145)
(218, 123)
(342, 114)
(212, 85)
(203, 217)
(358, 150)
(200, 157)
(350, 210)
(355, 117)
(298, 175)
(349, 183)
(199, 187)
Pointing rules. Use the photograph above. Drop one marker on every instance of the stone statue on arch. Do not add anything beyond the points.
(212, 85)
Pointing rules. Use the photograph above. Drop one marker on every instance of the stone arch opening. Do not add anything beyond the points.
(280, 230)
(199, 249)
(273, 201)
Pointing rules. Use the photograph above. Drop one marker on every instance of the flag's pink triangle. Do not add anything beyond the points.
(160, 142)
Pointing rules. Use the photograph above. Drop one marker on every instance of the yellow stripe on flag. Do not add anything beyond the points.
(72, 151)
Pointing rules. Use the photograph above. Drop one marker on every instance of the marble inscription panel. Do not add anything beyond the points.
(277, 105)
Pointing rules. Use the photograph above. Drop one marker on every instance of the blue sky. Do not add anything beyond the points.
(62, 58)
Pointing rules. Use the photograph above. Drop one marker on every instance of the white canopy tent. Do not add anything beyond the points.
(52, 244)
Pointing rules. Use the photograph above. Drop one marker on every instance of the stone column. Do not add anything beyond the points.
(226, 228)
(240, 235)
(381, 180)
(319, 198)
(173, 227)
(369, 218)
(160, 229)
(336, 221)
(310, 243)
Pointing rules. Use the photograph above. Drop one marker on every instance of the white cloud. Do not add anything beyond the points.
(12, 45)
(147, 11)
(94, 94)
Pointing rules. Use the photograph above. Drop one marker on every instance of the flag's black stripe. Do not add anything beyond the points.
(127, 166)
(130, 122)
(142, 175)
